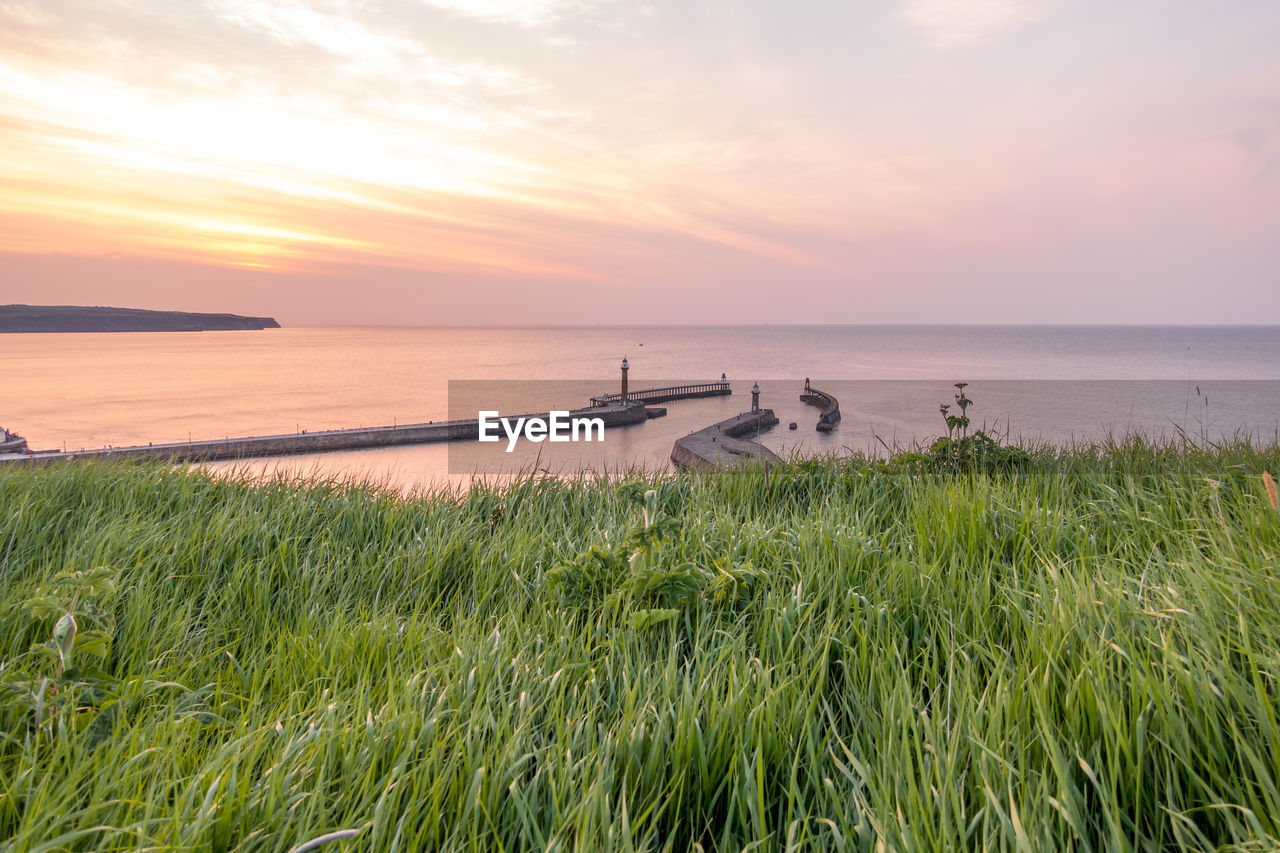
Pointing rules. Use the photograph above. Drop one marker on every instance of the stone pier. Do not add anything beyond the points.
(723, 443)
(828, 403)
(320, 442)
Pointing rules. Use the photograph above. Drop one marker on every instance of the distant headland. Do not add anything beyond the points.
(79, 318)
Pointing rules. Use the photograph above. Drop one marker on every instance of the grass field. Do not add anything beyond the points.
(1081, 655)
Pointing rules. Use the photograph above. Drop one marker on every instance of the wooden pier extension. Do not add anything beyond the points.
(719, 388)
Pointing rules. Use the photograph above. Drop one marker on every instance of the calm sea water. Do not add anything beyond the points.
(1037, 383)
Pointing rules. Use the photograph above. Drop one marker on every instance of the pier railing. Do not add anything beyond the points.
(821, 399)
(718, 388)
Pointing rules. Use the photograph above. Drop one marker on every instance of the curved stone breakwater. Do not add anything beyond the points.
(722, 443)
(829, 404)
(319, 442)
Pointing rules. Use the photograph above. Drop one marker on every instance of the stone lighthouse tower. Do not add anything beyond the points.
(755, 397)
(625, 367)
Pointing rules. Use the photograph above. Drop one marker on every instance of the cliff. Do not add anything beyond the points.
(77, 318)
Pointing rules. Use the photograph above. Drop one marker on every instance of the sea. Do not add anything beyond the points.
(1032, 384)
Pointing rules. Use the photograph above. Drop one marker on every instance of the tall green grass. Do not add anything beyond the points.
(1083, 655)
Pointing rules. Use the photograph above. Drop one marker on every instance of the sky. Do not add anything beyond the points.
(418, 162)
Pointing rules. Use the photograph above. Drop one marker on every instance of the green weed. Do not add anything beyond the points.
(1083, 653)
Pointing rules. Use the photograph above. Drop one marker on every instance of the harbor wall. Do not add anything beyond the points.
(829, 405)
(722, 443)
(316, 442)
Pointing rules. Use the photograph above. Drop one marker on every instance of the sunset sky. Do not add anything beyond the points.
(582, 161)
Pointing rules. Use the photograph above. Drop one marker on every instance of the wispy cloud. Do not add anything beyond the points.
(671, 144)
(524, 13)
(966, 23)
(367, 50)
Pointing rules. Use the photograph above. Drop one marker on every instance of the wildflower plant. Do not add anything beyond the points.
(961, 450)
(63, 599)
(58, 676)
(957, 425)
(644, 577)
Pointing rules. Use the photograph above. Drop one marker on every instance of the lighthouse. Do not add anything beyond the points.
(755, 398)
(625, 367)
